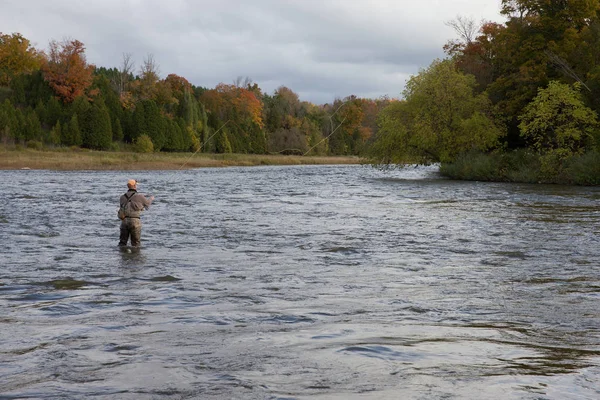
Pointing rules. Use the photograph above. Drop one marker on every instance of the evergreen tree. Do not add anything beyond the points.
(128, 126)
(222, 144)
(71, 133)
(18, 91)
(155, 124)
(32, 129)
(97, 130)
(55, 134)
(40, 110)
(8, 121)
(138, 123)
(117, 131)
(80, 107)
(54, 111)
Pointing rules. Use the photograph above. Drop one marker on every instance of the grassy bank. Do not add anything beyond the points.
(102, 160)
(526, 167)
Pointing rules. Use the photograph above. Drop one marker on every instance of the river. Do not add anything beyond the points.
(307, 282)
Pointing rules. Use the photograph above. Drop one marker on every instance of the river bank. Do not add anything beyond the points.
(65, 160)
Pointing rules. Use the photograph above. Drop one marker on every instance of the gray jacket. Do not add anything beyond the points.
(136, 205)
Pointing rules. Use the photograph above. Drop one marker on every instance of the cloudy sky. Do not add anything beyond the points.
(321, 49)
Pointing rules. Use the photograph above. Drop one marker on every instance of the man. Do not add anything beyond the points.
(133, 203)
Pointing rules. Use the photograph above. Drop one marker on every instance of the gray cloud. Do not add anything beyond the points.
(321, 49)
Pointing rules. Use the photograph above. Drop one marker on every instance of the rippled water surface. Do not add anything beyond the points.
(320, 282)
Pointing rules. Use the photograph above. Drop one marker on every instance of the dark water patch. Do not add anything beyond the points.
(24, 351)
(138, 311)
(41, 297)
(241, 299)
(165, 278)
(323, 314)
(120, 348)
(48, 234)
(380, 352)
(512, 254)
(63, 309)
(66, 284)
(288, 319)
(545, 280)
(100, 302)
(212, 320)
(332, 335)
(417, 310)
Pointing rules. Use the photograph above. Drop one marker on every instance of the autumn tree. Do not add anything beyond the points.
(243, 111)
(471, 51)
(284, 122)
(145, 87)
(17, 57)
(67, 71)
(440, 118)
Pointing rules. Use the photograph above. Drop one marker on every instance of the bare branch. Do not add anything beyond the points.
(127, 66)
(466, 28)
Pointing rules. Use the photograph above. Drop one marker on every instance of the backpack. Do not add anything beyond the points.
(121, 213)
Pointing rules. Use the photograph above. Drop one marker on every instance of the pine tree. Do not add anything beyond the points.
(117, 130)
(54, 111)
(71, 134)
(32, 128)
(97, 130)
(40, 110)
(55, 134)
(18, 90)
(138, 121)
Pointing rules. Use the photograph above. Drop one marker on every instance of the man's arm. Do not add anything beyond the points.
(148, 201)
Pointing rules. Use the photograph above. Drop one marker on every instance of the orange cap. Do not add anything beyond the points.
(131, 183)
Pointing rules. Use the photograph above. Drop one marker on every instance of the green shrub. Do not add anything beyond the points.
(584, 169)
(115, 146)
(521, 166)
(514, 166)
(474, 166)
(34, 144)
(143, 144)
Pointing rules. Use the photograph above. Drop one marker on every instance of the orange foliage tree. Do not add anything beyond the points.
(17, 57)
(233, 102)
(242, 111)
(67, 71)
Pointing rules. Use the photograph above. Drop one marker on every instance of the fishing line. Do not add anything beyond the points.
(331, 123)
(199, 148)
(325, 138)
(222, 126)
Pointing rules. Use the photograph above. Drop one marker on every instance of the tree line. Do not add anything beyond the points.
(517, 101)
(56, 98)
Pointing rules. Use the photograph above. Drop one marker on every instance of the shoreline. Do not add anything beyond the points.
(74, 160)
